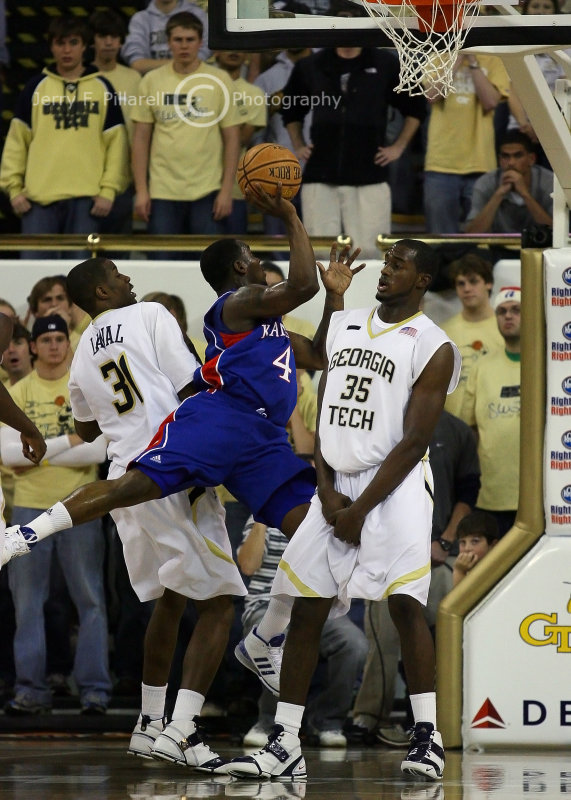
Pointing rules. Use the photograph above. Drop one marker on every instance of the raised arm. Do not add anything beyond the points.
(253, 302)
(336, 279)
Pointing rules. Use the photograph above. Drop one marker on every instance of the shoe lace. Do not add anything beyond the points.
(422, 746)
(275, 736)
(199, 734)
(200, 730)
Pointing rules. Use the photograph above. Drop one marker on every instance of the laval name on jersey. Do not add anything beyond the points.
(106, 335)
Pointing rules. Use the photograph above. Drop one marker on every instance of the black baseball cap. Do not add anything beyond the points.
(48, 325)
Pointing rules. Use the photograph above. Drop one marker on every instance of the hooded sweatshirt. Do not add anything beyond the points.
(67, 139)
(147, 37)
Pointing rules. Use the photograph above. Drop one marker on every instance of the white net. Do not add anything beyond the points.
(428, 37)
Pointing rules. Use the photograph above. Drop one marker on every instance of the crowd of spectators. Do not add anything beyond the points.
(124, 90)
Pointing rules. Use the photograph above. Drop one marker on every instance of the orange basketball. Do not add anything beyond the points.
(268, 165)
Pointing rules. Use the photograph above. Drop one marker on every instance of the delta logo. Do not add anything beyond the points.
(488, 716)
(566, 275)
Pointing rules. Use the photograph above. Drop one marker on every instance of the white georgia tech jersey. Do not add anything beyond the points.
(372, 369)
(127, 369)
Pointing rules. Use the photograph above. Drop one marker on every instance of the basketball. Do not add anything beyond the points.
(268, 165)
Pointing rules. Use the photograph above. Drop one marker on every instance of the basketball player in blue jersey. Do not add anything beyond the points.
(233, 433)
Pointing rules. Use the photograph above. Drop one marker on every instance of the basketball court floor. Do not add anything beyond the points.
(51, 767)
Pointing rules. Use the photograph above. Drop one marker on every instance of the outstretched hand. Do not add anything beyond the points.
(339, 274)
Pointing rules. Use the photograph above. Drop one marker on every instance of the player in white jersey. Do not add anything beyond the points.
(367, 532)
(130, 370)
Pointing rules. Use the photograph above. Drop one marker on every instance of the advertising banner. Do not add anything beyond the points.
(557, 483)
(517, 654)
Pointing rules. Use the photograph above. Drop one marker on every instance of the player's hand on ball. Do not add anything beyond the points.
(339, 274)
(276, 206)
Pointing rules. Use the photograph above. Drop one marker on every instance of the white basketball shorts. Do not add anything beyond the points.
(169, 544)
(393, 557)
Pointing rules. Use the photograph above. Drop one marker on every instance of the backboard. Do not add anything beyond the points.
(254, 25)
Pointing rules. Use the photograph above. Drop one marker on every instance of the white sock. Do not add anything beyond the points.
(153, 701)
(276, 619)
(289, 716)
(188, 705)
(424, 707)
(51, 521)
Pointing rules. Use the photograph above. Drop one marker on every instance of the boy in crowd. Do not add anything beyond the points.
(477, 534)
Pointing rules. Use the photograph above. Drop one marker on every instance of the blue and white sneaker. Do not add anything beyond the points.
(425, 757)
(17, 542)
(281, 757)
(263, 658)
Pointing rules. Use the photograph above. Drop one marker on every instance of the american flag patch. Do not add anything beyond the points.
(409, 331)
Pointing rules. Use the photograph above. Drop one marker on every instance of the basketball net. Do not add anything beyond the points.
(427, 55)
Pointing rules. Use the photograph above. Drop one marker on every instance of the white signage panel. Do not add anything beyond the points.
(517, 654)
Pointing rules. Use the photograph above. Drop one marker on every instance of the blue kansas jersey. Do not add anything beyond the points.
(256, 368)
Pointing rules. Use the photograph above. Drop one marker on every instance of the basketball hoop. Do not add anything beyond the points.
(428, 35)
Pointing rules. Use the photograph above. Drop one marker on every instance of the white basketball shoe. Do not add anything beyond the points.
(281, 757)
(16, 542)
(181, 743)
(425, 757)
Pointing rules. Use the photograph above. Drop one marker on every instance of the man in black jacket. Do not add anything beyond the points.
(345, 182)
